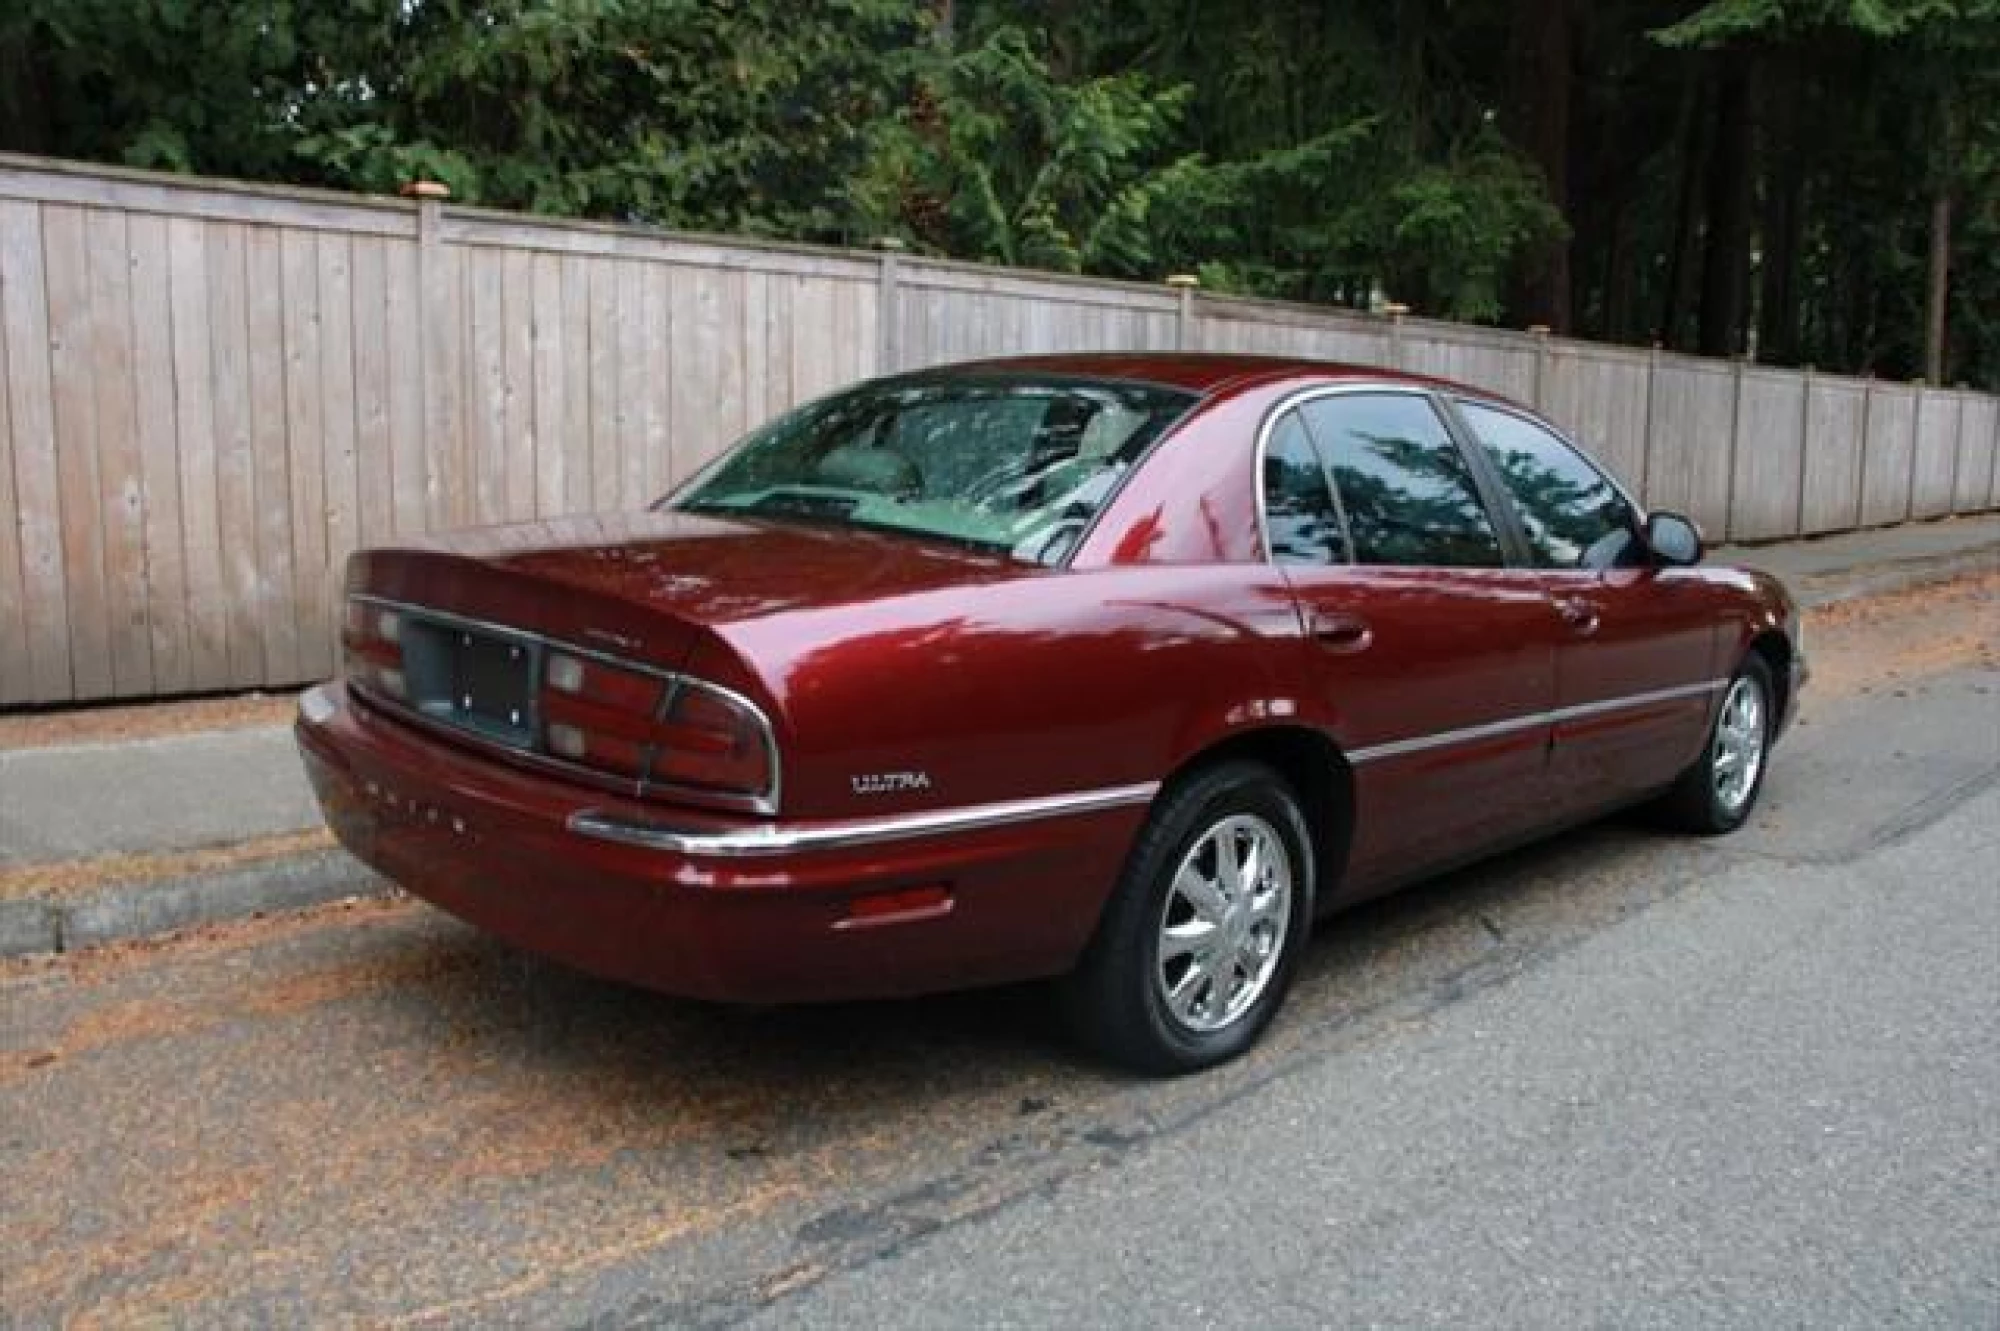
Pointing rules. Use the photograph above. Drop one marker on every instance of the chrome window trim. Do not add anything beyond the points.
(777, 839)
(766, 801)
(1491, 729)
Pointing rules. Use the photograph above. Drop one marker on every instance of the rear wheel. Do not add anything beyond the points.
(1199, 941)
(1716, 794)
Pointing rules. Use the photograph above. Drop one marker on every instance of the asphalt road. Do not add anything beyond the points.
(1621, 1078)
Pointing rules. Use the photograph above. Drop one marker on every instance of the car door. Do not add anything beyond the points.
(1437, 658)
(1635, 675)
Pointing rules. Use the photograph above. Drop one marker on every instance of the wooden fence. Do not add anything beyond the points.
(210, 393)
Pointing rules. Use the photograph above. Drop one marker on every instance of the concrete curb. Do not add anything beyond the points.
(121, 912)
(1894, 578)
(125, 911)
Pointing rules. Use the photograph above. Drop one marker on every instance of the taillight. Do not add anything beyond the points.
(713, 740)
(670, 732)
(371, 643)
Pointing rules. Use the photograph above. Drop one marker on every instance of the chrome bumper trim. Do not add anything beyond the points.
(780, 839)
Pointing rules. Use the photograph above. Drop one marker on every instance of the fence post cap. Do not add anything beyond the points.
(426, 189)
(1183, 280)
(1540, 330)
(889, 244)
(1395, 309)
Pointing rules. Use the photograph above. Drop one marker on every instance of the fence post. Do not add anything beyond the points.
(1916, 451)
(1805, 451)
(888, 315)
(1861, 454)
(1184, 285)
(1395, 311)
(1540, 332)
(438, 509)
(1646, 440)
(1735, 446)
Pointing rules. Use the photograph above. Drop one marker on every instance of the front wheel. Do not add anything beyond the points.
(1716, 794)
(1200, 938)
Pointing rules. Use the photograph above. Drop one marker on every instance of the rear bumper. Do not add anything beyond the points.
(740, 911)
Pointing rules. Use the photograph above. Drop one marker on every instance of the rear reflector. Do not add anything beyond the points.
(902, 906)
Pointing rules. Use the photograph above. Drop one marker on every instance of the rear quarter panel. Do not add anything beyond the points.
(1010, 691)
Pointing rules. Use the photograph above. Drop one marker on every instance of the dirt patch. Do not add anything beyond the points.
(150, 720)
(71, 877)
(1864, 644)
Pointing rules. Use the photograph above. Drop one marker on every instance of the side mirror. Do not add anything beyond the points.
(1673, 539)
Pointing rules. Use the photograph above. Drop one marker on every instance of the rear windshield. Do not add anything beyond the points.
(1015, 465)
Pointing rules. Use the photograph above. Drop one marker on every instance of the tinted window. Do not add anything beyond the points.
(1408, 495)
(1573, 515)
(1299, 512)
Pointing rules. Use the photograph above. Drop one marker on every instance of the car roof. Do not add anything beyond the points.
(1196, 371)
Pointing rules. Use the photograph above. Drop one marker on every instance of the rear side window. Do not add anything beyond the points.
(1573, 516)
(1300, 516)
(1408, 495)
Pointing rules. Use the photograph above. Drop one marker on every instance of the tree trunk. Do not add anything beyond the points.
(1725, 274)
(1692, 132)
(1940, 282)
(1784, 155)
(1540, 92)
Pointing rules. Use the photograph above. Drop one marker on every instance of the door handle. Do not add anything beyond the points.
(1339, 633)
(1581, 616)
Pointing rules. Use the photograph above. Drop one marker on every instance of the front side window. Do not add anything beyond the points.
(1301, 519)
(1018, 465)
(1409, 497)
(1574, 517)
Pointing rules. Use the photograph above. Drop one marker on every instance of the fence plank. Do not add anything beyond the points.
(447, 491)
(578, 385)
(485, 475)
(777, 336)
(16, 668)
(1934, 462)
(517, 292)
(120, 474)
(549, 387)
(1979, 456)
(239, 519)
(656, 462)
(1890, 441)
(632, 364)
(340, 475)
(1601, 400)
(72, 373)
(160, 463)
(603, 387)
(374, 454)
(193, 375)
(306, 435)
(1692, 415)
(37, 466)
(1832, 491)
(276, 600)
(1770, 457)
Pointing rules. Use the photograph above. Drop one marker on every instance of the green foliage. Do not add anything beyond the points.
(1332, 153)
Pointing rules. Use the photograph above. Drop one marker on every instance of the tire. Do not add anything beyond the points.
(1189, 964)
(1714, 795)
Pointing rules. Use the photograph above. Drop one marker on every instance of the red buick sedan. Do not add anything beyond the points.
(1121, 669)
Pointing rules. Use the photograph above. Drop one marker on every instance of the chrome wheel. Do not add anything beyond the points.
(1223, 927)
(1738, 758)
